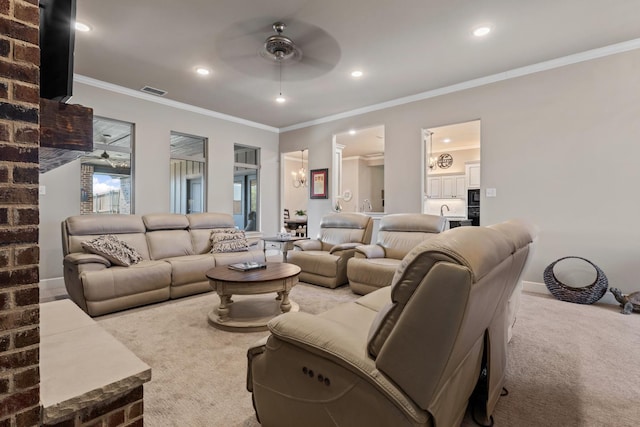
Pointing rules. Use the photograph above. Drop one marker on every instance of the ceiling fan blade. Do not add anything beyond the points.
(318, 63)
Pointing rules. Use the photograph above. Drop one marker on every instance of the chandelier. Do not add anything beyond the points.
(300, 177)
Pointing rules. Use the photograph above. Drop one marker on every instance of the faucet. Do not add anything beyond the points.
(441, 211)
(366, 204)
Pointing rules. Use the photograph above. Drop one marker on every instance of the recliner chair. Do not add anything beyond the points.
(372, 266)
(324, 261)
(406, 355)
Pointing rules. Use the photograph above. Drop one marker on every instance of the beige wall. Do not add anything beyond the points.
(153, 125)
(560, 146)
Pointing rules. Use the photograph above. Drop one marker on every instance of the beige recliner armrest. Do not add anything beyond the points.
(82, 258)
(370, 251)
(322, 334)
(335, 342)
(308, 245)
(343, 247)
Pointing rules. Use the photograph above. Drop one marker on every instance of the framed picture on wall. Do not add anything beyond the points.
(319, 188)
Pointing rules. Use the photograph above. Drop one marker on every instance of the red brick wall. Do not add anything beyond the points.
(124, 410)
(19, 255)
(86, 185)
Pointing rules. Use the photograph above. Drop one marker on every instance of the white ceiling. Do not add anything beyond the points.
(404, 47)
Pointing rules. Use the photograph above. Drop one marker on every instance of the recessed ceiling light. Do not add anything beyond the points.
(352, 132)
(82, 27)
(281, 99)
(446, 140)
(356, 73)
(481, 31)
(203, 71)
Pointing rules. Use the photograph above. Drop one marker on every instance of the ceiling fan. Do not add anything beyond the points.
(104, 157)
(304, 52)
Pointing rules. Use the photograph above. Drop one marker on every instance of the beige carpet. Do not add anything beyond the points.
(570, 365)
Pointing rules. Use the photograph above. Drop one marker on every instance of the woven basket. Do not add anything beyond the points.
(584, 295)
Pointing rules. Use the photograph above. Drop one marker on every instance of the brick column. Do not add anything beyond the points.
(86, 189)
(19, 212)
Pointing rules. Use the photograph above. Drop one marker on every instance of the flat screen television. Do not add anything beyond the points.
(57, 40)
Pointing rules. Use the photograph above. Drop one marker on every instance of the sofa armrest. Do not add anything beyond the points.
(308, 245)
(253, 242)
(78, 258)
(330, 340)
(344, 247)
(370, 251)
(324, 336)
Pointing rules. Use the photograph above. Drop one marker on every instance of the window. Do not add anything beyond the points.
(188, 173)
(246, 187)
(106, 174)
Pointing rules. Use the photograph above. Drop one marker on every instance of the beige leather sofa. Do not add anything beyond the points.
(406, 355)
(372, 267)
(175, 252)
(323, 261)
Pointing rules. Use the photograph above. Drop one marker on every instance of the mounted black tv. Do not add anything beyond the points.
(57, 40)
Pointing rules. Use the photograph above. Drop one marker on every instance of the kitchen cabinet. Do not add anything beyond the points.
(434, 187)
(446, 187)
(472, 173)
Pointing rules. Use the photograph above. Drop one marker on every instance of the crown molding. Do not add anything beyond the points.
(169, 102)
(511, 74)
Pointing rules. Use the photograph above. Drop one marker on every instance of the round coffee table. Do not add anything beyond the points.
(251, 314)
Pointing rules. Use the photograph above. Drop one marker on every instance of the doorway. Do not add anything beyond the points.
(451, 166)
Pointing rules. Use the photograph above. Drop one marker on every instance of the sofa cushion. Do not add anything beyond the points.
(165, 221)
(315, 262)
(117, 282)
(169, 243)
(228, 240)
(376, 272)
(113, 249)
(226, 258)
(190, 269)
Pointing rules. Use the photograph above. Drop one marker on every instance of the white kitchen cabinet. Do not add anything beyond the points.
(472, 173)
(446, 187)
(453, 186)
(434, 187)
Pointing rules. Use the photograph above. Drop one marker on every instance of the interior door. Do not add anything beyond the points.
(194, 195)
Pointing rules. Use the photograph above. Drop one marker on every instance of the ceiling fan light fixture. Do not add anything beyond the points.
(279, 48)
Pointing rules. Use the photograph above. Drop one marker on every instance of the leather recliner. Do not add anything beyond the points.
(372, 267)
(406, 355)
(324, 261)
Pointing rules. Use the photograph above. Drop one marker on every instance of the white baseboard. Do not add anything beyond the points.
(541, 288)
(52, 289)
(535, 287)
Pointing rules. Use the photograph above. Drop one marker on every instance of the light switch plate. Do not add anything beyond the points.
(42, 190)
(491, 192)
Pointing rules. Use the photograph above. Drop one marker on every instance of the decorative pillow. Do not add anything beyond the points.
(228, 240)
(113, 249)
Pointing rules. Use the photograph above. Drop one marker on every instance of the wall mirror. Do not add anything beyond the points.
(452, 171)
(106, 173)
(358, 180)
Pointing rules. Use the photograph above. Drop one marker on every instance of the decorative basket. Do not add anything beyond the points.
(584, 295)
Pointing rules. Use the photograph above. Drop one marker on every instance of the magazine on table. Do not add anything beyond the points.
(246, 266)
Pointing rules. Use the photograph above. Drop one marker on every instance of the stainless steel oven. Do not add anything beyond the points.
(473, 206)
